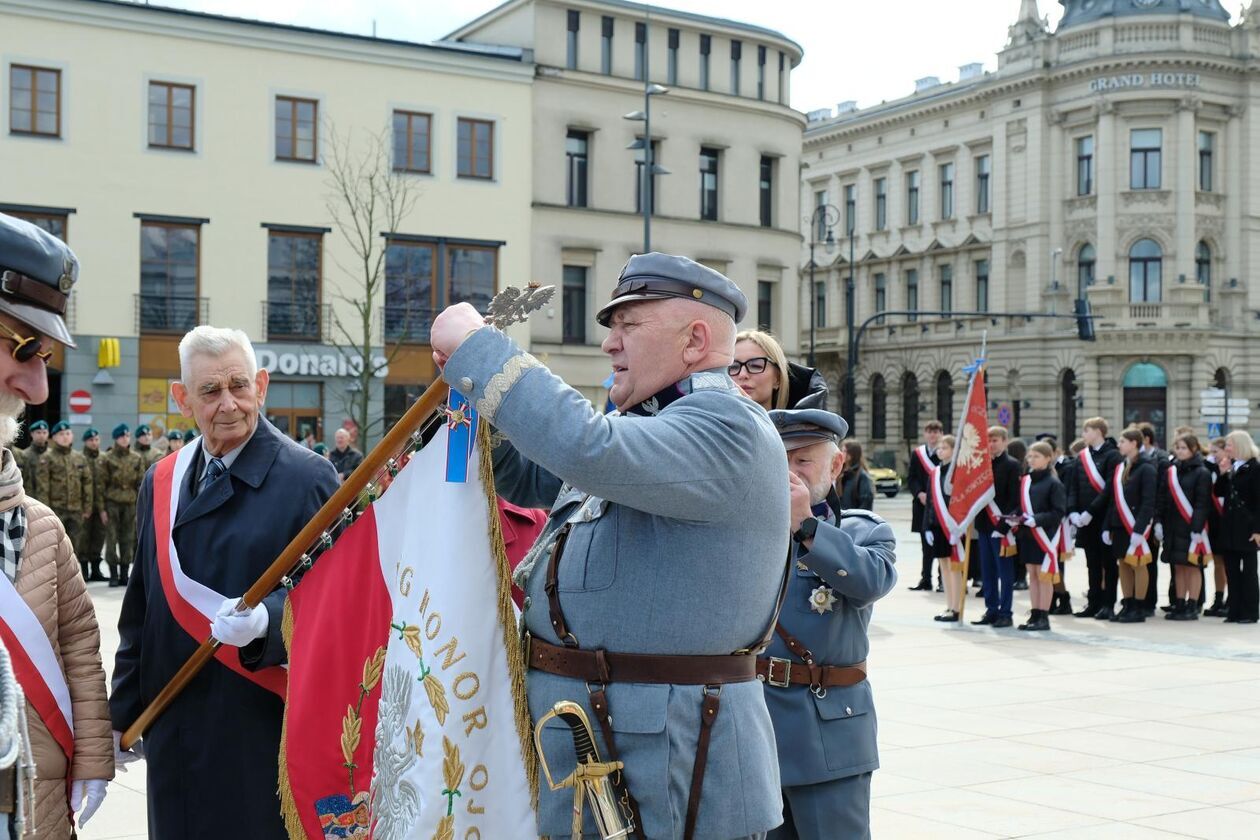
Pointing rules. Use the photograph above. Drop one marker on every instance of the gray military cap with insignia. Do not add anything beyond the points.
(657, 276)
(806, 426)
(37, 272)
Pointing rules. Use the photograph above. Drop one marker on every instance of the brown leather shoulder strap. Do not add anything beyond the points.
(767, 636)
(794, 644)
(599, 705)
(552, 587)
(708, 714)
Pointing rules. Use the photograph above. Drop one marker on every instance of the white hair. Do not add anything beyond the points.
(11, 408)
(214, 342)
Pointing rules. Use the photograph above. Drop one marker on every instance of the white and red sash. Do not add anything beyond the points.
(1091, 470)
(1049, 547)
(1217, 501)
(925, 458)
(1067, 541)
(193, 604)
(1199, 543)
(1143, 548)
(36, 666)
(1009, 547)
(948, 524)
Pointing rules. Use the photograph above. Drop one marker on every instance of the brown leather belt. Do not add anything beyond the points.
(601, 666)
(782, 673)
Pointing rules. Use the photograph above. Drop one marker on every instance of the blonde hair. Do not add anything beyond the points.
(774, 351)
(1096, 423)
(1042, 448)
(1244, 446)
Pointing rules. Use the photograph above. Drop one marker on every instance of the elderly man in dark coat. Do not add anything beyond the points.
(209, 522)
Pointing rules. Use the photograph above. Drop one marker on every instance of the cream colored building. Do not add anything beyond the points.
(1112, 160)
(185, 158)
(726, 108)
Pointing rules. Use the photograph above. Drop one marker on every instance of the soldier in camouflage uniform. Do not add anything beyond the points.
(121, 473)
(92, 539)
(149, 455)
(66, 485)
(27, 458)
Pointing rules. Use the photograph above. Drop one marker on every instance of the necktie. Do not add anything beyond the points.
(213, 470)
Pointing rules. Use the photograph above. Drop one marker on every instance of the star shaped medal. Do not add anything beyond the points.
(821, 600)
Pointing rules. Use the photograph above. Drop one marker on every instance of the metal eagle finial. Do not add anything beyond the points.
(513, 305)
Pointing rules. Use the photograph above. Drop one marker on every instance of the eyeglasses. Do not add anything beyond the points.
(757, 364)
(25, 348)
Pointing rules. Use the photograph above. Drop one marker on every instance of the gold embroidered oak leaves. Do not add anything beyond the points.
(352, 723)
(433, 687)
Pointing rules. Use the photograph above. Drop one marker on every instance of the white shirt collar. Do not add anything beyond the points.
(228, 458)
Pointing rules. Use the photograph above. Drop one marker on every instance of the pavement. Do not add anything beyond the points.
(1093, 730)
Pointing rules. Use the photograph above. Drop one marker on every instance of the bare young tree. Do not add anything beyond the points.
(367, 200)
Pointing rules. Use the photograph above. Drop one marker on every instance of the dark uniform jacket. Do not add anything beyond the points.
(1087, 499)
(940, 538)
(1196, 483)
(1139, 495)
(1240, 488)
(1048, 498)
(857, 491)
(1065, 469)
(917, 481)
(1006, 473)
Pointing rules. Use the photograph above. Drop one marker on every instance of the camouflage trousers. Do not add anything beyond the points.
(120, 534)
(72, 521)
(91, 539)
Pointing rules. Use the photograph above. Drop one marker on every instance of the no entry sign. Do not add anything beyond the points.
(80, 402)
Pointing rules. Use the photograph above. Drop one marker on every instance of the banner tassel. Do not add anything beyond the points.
(288, 804)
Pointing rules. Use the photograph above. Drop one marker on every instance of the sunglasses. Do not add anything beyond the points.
(25, 348)
(756, 364)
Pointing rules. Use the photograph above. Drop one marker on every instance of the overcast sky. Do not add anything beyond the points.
(854, 49)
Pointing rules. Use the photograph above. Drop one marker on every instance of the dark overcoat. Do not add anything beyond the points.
(1196, 483)
(917, 482)
(1240, 488)
(212, 755)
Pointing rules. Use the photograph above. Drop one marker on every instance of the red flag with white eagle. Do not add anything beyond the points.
(970, 477)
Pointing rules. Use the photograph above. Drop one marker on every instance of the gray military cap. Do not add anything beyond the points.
(806, 426)
(37, 272)
(657, 276)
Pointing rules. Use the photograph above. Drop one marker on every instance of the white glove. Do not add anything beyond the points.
(1134, 542)
(88, 794)
(1074, 519)
(1084, 519)
(238, 628)
(124, 757)
(1106, 537)
(1030, 520)
(1159, 531)
(929, 538)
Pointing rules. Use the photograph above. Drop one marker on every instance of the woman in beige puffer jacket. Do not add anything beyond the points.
(50, 583)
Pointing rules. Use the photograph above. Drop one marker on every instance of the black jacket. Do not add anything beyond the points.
(1049, 507)
(1240, 488)
(1006, 474)
(1139, 495)
(807, 388)
(1196, 483)
(345, 462)
(1086, 498)
(917, 482)
(857, 491)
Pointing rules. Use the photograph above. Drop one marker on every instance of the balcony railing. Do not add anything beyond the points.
(407, 324)
(170, 314)
(296, 321)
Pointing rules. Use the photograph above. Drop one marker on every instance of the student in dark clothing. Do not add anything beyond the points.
(1182, 523)
(1127, 527)
(922, 460)
(1239, 486)
(1216, 455)
(1096, 463)
(1042, 507)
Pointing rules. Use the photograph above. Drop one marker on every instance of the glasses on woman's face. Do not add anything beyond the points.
(25, 348)
(757, 364)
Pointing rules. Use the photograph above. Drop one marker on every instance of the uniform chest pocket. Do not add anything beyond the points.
(589, 563)
(801, 589)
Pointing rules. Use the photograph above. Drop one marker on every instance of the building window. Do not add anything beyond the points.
(1144, 158)
(472, 274)
(982, 184)
(765, 186)
(476, 148)
(881, 295)
(820, 304)
(1084, 269)
(765, 305)
(640, 50)
(169, 268)
(709, 184)
(1145, 267)
(411, 142)
(912, 293)
(34, 101)
(881, 204)
(1084, 165)
(947, 190)
(1207, 140)
(820, 215)
(170, 115)
(850, 209)
(982, 285)
(638, 178)
(293, 285)
(782, 77)
(737, 51)
(605, 46)
(909, 406)
(576, 147)
(573, 305)
(410, 290)
(571, 43)
(879, 408)
(761, 73)
(671, 72)
(54, 223)
(944, 397)
(706, 43)
(1203, 265)
(947, 288)
(296, 129)
(912, 198)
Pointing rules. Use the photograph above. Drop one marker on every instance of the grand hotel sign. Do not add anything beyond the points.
(1154, 79)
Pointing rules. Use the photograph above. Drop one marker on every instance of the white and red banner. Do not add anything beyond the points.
(1199, 544)
(970, 478)
(36, 666)
(1049, 547)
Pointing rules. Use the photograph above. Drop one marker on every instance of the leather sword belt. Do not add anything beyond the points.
(601, 666)
(782, 673)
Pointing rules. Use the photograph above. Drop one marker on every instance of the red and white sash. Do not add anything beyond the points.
(1199, 543)
(193, 604)
(925, 458)
(1143, 548)
(1049, 547)
(1009, 547)
(1067, 541)
(948, 524)
(1091, 470)
(1217, 501)
(36, 667)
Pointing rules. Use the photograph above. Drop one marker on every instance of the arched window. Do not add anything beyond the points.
(1145, 271)
(1203, 267)
(909, 406)
(944, 398)
(1084, 269)
(879, 408)
(1067, 408)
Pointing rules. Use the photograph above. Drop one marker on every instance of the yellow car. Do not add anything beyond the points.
(886, 480)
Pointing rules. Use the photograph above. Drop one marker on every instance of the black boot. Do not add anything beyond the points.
(1062, 604)
(1040, 620)
(115, 578)
(1133, 613)
(1105, 612)
(924, 585)
(1174, 610)
(1217, 609)
(1032, 618)
(1189, 611)
(97, 575)
(84, 569)
(1091, 606)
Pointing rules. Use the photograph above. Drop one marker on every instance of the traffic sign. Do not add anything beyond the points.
(1220, 402)
(1216, 429)
(1212, 392)
(80, 402)
(1004, 414)
(1213, 419)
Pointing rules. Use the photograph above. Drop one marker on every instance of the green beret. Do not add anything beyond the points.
(61, 426)
(142, 430)
(174, 434)
(321, 449)
(120, 430)
(90, 432)
(39, 425)
(190, 435)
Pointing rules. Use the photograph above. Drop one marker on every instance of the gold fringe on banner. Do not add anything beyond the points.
(506, 615)
(288, 805)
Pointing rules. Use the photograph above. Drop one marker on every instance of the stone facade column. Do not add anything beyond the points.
(1054, 194)
(1185, 164)
(1231, 181)
(1109, 170)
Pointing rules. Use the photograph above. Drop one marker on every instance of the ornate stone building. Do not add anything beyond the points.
(1110, 160)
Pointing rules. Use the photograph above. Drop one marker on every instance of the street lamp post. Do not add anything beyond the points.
(830, 217)
(649, 163)
(849, 407)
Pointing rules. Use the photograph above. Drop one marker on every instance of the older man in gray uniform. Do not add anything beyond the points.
(655, 580)
(815, 670)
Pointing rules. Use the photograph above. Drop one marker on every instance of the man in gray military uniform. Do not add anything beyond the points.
(815, 669)
(656, 577)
